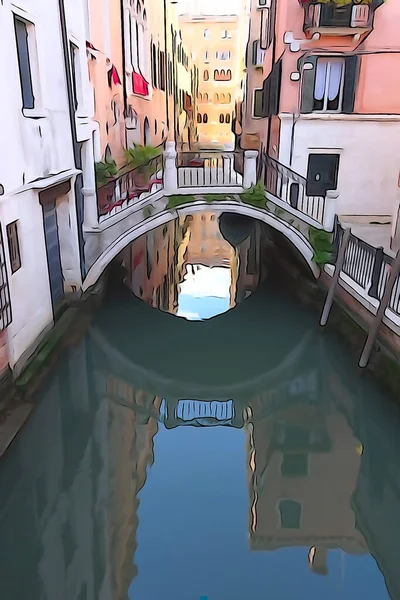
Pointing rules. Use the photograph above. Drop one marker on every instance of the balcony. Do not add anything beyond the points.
(331, 18)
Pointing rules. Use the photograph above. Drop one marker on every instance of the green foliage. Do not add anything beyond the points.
(105, 171)
(255, 196)
(174, 201)
(321, 242)
(138, 156)
(216, 197)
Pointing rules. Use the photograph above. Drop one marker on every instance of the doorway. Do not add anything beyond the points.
(322, 173)
(48, 200)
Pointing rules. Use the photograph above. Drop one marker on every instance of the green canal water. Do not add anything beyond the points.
(203, 439)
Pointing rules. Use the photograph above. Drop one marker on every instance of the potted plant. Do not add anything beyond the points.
(105, 170)
(138, 158)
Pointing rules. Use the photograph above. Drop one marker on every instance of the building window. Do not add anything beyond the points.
(199, 118)
(290, 513)
(328, 87)
(205, 97)
(205, 118)
(267, 29)
(154, 65)
(221, 118)
(161, 75)
(226, 35)
(228, 98)
(206, 56)
(329, 84)
(74, 54)
(225, 55)
(228, 118)
(222, 75)
(22, 35)
(206, 75)
(207, 34)
(216, 98)
(13, 246)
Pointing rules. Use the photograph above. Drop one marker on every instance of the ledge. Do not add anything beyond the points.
(326, 116)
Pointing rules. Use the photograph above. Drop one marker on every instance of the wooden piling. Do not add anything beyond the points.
(338, 267)
(373, 332)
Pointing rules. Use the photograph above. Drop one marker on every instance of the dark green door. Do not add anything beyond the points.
(322, 173)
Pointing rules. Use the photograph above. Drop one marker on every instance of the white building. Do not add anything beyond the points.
(43, 45)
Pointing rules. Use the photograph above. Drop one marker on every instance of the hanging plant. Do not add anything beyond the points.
(140, 155)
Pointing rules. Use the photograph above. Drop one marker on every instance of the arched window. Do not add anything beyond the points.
(216, 74)
(205, 118)
(228, 118)
(206, 33)
(221, 118)
(216, 98)
(199, 119)
(229, 74)
(222, 98)
(206, 75)
(228, 98)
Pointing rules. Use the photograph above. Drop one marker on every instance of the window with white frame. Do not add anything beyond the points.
(328, 87)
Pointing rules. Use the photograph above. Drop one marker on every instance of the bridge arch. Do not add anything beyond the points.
(164, 216)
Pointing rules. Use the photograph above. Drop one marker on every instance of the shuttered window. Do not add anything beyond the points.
(266, 101)
(329, 84)
(5, 304)
(13, 246)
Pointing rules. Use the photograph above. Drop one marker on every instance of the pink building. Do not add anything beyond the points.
(328, 106)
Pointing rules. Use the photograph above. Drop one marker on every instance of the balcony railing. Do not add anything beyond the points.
(334, 19)
(369, 267)
(129, 187)
(289, 186)
(207, 169)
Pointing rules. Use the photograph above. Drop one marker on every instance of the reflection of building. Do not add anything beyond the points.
(304, 462)
(216, 44)
(250, 260)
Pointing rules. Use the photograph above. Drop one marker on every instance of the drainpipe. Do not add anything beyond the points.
(125, 95)
(77, 146)
(165, 65)
(273, 64)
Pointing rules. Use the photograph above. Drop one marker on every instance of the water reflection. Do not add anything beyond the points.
(162, 463)
(189, 269)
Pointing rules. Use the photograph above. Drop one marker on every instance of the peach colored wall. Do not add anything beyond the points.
(99, 64)
(379, 83)
(193, 37)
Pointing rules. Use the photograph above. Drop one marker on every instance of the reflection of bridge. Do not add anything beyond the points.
(289, 213)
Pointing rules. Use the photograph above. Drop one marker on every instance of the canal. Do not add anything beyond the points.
(203, 439)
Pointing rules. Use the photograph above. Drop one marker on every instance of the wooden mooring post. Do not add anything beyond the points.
(373, 332)
(338, 267)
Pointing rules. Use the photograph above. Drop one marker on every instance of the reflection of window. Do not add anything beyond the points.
(290, 512)
(294, 465)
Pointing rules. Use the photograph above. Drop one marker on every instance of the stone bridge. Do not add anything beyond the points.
(174, 184)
